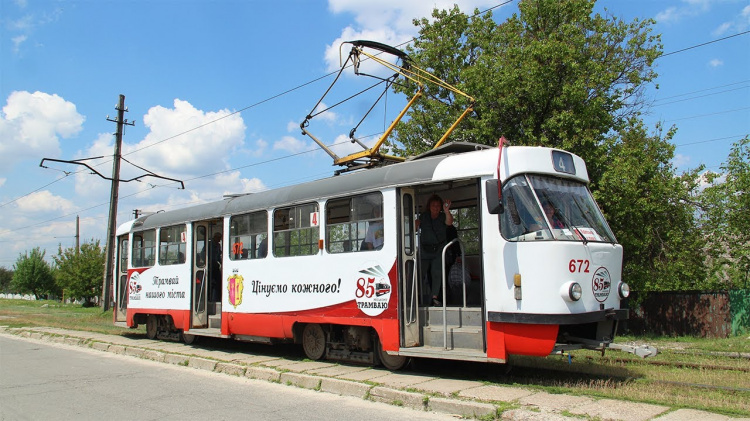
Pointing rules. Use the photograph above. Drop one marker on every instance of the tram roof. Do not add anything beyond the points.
(418, 169)
(461, 160)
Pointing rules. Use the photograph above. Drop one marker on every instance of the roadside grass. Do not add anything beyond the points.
(50, 313)
(696, 373)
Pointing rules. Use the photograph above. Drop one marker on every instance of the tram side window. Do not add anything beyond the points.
(296, 230)
(355, 223)
(144, 249)
(466, 221)
(123, 255)
(248, 236)
(172, 245)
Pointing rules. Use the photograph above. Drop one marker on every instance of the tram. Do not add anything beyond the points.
(540, 269)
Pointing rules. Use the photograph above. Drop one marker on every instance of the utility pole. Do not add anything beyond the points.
(78, 234)
(111, 228)
(115, 179)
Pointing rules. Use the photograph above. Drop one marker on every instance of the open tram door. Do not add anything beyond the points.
(121, 278)
(206, 309)
(410, 285)
(199, 304)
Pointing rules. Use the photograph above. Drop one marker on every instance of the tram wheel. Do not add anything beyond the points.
(391, 362)
(188, 338)
(314, 341)
(152, 325)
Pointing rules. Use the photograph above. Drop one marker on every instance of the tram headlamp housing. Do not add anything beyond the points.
(571, 291)
(623, 289)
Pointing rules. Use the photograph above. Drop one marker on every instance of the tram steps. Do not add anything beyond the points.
(214, 315)
(457, 337)
(456, 316)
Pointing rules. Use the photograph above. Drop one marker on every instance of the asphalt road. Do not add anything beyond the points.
(40, 381)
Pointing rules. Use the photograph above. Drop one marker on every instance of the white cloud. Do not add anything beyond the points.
(715, 63)
(233, 183)
(31, 126)
(44, 201)
(327, 116)
(740, 23)
(292, 126)
(680, 160)
(290, 144)
(260, 148)
(17, 41)
(688, 8)
(186, 141)
(703, 179)
(386, 21)
(2, 181)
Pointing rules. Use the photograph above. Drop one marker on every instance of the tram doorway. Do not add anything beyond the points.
(206, 291)
(410, 285)
(121, 278)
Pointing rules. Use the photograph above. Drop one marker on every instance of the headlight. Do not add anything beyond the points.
(571, 291)
(575, 291)
(624, 290)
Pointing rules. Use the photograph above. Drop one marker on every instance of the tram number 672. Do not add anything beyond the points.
(578, 266)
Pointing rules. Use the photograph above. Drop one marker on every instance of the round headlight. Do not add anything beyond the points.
(624, 290)
(575, 291)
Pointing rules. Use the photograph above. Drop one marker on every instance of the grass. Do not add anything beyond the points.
(44, 313)
(687, 373)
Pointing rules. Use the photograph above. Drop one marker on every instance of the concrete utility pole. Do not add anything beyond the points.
(112, 227)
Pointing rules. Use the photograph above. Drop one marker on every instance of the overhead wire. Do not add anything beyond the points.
(295, 88)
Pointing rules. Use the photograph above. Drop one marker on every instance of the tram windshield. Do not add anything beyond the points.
(544, 208)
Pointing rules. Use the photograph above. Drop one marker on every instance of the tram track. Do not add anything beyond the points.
(676, 364)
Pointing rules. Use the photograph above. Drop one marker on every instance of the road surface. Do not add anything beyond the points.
(40, 380)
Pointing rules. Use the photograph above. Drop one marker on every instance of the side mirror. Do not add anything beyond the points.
(494, 206)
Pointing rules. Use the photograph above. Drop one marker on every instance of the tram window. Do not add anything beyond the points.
(172, 245)
(355, 223)
(296, 230)
(522, 219)
(144, 249)
(123, 255)
(466, 221)
(248, 236)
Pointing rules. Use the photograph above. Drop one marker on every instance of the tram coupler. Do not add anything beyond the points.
(643, 351)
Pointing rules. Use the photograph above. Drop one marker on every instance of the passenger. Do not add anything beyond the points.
(552, 216)
(347, 246)
(374, 235)
(263, 248)
(434, 236)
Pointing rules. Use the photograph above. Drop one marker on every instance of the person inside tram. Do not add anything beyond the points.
(374, 235)
(263, 248)
(214, 253)
(434, 224)
(552, 215)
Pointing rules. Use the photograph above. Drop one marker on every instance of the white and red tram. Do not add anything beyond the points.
(541, 268)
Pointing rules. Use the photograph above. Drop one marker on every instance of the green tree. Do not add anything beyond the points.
(725, 219)
(556, 74)
(79, 274)
(6, 276)
(652, 211)
(32, 274)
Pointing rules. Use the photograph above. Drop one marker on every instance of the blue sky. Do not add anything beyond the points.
(200, 79)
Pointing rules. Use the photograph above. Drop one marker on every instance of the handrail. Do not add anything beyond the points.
(414, 294)
(445, 308)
